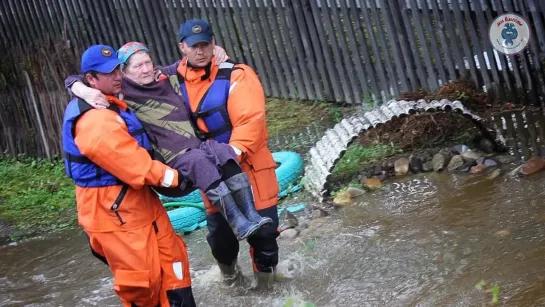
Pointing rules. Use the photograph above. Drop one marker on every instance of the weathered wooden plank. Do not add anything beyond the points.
(533, 135)
(9, 24)
(30, 20)
(21, 24)
(104, 35)
(540, 121)
(324, 84)
(511, 135)
(198, 10)
(475, 42)
(384, 87)
(214, 22)
(483, 27)
(265, 27)
(454, 42)
(447, 51)
(102, 10)
(232, 32)
(533, 70)
(282, 55)
(522, 135)
(360, 88)
(393, 84)
(399, 37)
(52, 15)
(134, 23)
(55, 6)
(260, 68)
(537, 8)
(77, 17)
(432, 77)
(46, 24)
(308, 53)
(324, 51)
(396, 50)
(301, 62)
(291, 56)
(163, 30)
(263, 45)
(169, 32)
(247, 56)
(123, 22)
(92, 22)
(86, 21)
(408, 31)
(221, 26)
(326, 17)
(175, 18)
(159, 38)
(56, 14)
(152, 37)
(462, 30)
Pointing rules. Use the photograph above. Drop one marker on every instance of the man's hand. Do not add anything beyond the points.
(92, 96)
(220, 54)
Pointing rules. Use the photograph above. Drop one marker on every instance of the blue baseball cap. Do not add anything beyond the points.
(195, 31)
(99, 58)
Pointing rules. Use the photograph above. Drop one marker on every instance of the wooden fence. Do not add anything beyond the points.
(356, 52)
(524, 131)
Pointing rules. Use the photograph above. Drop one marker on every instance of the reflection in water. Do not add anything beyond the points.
(422, 241)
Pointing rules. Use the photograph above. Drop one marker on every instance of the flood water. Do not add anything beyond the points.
(425, 240)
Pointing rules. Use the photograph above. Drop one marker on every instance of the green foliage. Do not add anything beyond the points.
(494, 290)
(358, 156)
(284, 116)
(35, 194)
(295, 302)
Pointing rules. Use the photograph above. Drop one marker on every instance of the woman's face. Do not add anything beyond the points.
(139, 68)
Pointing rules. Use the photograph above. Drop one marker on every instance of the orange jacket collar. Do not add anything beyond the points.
(118, 102)
(191, 74)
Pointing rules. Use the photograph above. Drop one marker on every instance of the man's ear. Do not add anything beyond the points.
(182, 47)
(90, 79)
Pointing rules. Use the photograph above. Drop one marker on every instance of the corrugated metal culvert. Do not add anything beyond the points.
(327, 151)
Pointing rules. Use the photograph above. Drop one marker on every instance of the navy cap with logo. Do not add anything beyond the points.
(195, 31)
(99, 58)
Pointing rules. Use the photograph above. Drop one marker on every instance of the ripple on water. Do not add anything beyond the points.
(421, 241)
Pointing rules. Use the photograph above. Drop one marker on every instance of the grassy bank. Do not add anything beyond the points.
(35, 195)
(289, 115)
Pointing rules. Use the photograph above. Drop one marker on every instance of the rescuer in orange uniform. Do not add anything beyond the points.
(227, 104)
(107, 155)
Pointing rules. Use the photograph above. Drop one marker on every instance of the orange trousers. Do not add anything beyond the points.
(146, 262)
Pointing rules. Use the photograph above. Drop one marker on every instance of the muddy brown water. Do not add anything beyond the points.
(422, 241)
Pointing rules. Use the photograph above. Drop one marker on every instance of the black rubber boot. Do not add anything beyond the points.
(240, 186)
(231, 275)
(221, 198)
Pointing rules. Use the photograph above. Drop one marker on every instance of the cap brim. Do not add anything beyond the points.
(198, 38)
(109, 66)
